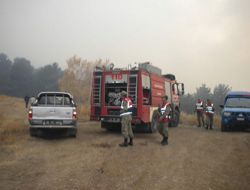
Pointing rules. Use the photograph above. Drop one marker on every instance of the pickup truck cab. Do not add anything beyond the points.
(54, 110)
(236, 111)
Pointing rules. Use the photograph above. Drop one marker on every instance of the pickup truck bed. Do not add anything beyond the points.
(53, 110)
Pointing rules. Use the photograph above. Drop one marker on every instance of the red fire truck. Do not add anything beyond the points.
(145, 86)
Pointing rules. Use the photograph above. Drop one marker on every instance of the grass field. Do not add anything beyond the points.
(13, 123)
(13, 118)
(191, 119)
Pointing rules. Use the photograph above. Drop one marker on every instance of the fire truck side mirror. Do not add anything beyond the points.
(182, 89)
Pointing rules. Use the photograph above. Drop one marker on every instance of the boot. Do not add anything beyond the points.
(131, 142)
(125, 143)
(165, 141)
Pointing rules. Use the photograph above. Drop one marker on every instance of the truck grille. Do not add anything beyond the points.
(117, 112)
(114, 112)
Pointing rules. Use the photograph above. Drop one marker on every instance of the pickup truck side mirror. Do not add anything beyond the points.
(221, 106)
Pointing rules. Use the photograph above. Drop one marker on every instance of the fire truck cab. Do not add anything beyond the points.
(145, 86)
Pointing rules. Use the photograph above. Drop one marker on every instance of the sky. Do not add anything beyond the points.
(200, 41)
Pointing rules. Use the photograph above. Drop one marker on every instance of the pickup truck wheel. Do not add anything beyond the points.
(72, 132)
(175, 120)
(33, 132)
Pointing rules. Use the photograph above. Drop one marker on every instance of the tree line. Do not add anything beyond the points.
(203, 92)
(19, 78)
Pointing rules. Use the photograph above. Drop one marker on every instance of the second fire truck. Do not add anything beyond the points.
(145, 86)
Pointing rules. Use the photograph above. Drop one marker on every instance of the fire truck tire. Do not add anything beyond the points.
(153, 124)
(175, 121)
(104, 125)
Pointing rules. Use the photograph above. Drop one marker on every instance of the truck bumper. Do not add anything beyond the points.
(56, 124)
(53, 126)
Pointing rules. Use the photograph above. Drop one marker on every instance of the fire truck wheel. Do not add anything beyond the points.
(153, 124)
(175, 120)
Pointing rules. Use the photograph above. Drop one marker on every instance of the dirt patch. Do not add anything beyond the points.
(194, 159)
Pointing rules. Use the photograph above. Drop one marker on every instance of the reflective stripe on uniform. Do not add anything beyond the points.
(199, 106)
(163, 109)
(129, 106)
(209, 109)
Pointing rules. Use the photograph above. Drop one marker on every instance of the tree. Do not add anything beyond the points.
(21, 78)
(5, 67)
(77, 78)
(219, 95)
(188, 103)
(203, 93)
(46, 78)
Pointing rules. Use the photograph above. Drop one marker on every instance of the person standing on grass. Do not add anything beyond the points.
(209, 110)
(126, 118)
(199, 109)
(163, 119)
(26, 100)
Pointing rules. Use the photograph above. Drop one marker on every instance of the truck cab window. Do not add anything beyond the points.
(42, 100)
(59, 100)
(67, 101)
(146, 96)
(146, 91)
(50, 99)
(175, 88)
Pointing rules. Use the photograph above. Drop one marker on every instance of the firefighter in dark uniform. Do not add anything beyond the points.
(199, 109)
(209, 110)
(163, 119)
(26, 100)
(126, 118)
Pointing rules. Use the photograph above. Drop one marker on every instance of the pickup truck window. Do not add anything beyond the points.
(50, 99)
(238, 103)
(55, 100)
(42, 100)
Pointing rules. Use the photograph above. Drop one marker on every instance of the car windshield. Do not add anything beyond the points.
(238, 103)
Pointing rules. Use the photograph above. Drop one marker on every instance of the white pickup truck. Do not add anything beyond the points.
(54, 110)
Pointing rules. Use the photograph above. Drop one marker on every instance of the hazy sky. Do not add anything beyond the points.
(201, 41)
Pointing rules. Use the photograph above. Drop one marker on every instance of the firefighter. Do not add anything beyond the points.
(199, 109)
(209, 110)
(163, 119)
(126, 118)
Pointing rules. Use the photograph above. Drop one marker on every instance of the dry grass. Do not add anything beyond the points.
(11, 130)
(191, 119)
(12, 119)
(83, 112)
